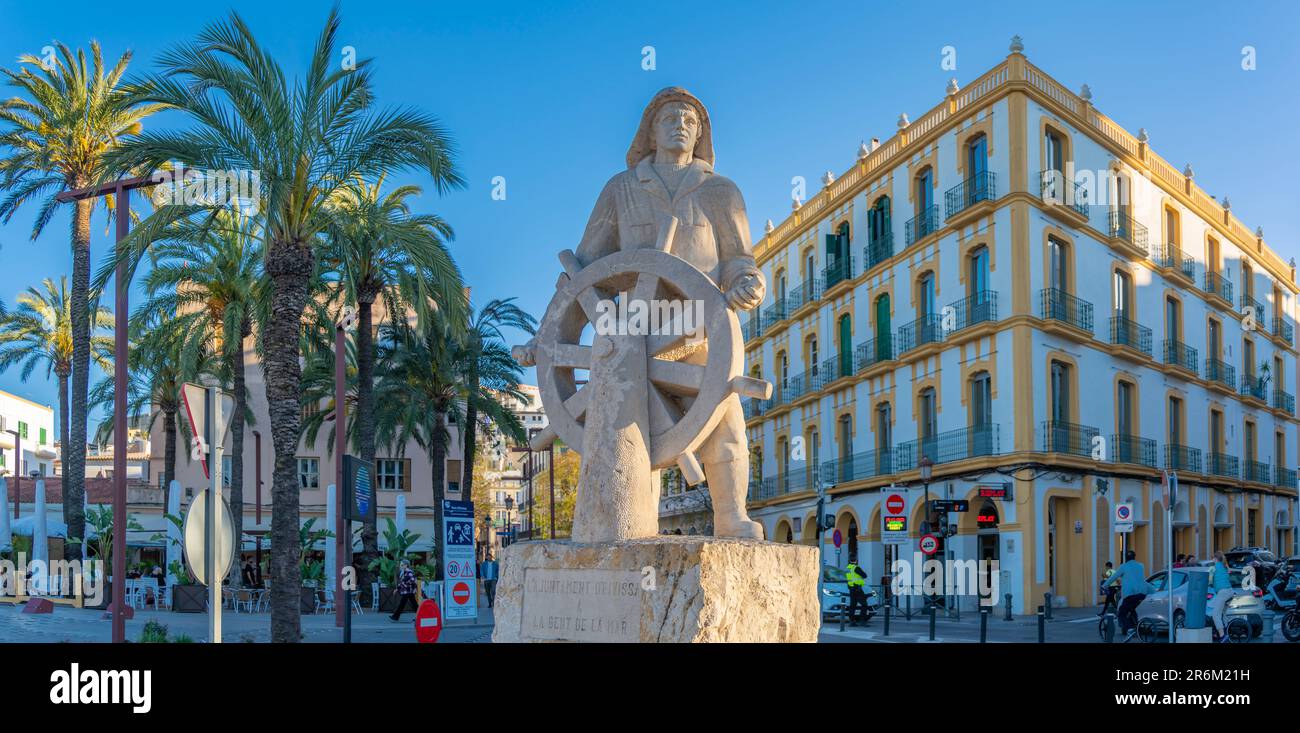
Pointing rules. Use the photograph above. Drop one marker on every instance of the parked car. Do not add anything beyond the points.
(1265, 562)
(1244, 603)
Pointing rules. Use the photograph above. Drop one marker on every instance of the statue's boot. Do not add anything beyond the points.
(728, 486)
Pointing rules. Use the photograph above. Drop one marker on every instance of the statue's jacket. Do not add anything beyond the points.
(712, 229)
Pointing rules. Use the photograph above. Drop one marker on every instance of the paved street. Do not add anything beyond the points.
(86, 626)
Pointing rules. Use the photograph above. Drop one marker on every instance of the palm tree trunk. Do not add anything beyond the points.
(74, 487)
(289, 265)
(470, 437)
(169, 453)
(63, 423)
(366, 426)
(235, 357)
(438, 466)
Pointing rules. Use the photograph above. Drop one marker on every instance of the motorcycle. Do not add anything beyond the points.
(1278, 596)
(1291, 624)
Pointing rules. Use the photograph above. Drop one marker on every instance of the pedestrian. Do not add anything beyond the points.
(405, 589)
(1181, 561)
(857, 581)
(488, 571)
(1132, 579)
(1107, 589)
(1221, 586)
(248, 575)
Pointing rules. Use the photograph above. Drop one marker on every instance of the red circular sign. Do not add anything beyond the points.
(428, 622)
(929, 544)
(837, 538)
(895, 503)
(460, 593)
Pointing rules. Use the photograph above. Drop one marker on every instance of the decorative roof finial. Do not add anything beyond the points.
(1259, 232)
(863, 151)
(1017, 44)
(796, 204)
(1085, 92)
(1142, 135)
(952, 86)
(828, 178)
(1226, 203)
(1187, 171)
(768, 227)
(903, 121)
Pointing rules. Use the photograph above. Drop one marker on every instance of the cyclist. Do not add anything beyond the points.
(1221, 586)
(1133, 587)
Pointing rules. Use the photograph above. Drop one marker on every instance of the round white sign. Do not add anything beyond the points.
(195, 529)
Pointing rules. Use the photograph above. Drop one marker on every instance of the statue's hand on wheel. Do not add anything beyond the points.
(526, 355)
(745, 293)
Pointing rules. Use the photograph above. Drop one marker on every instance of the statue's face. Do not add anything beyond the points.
(677, 127)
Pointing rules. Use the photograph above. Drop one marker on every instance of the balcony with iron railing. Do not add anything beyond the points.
(1218, 286)
(753, 407)
(1130, 334)
(771, 487)
(774, 314)
(921, 226)
(1128, 232)
(858, 466)
(1220, 372)
(1284, 401)
(953, 445)
(1222, 464)
(1283, 330)
(833, 368)
(879, 249)
(1283, 476)
(1256, 307)
(1133, 449)
(1171, 257)
(1181, 355)
(1063, 196)
(838, 271)
(795, 388)
(965, 195)
(753, 327)
(1256, 471)
(918, 333)
(1069, 438)
(981, 307)
(808, 291)
(873, 352)
(1254, 387)
(1058, 305)
(1182, 458)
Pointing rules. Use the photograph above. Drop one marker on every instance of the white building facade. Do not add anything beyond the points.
(32, 424)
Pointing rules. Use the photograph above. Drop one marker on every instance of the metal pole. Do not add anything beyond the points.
(1042, 626)
(341, 545)
(530, 492)
(984, 625)
(550, 460)
(214, 516)
(121, 306)
(887, 608)
(18, 469)
(932, 615)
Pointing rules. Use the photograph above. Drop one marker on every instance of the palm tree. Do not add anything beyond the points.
(39, 332)
(207, 274)
(56, 138)
(491, 372)
(307, 141)
(379, 248)
(417, 392)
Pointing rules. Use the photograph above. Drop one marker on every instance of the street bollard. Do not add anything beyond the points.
(932, 615)
(842, 612)
(1008, 616)
(1042, 626)
(886, 619)
(1108, 632)
(1047, 605)
(984, 625)
(909, 606)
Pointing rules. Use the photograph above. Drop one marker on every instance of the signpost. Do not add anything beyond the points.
(994, 491)
(929, 544)
(941, 506)
(838, 539)
(1169, 487)
(428, 622)
(208, 420)
(459, 571)
(893, 529)
(358, 489)
(1124, 517)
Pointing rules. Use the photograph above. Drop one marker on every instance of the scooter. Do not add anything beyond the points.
(1277, 595)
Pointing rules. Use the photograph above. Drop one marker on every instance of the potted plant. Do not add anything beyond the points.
(388, 564)
(187, 595)
(100, 549)
(313, 572)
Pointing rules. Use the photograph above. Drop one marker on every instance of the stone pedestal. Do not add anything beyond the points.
(662, 589)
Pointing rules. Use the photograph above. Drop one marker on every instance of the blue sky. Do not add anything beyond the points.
(547, 95)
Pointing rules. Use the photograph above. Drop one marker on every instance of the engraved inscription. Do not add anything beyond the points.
(582, 605)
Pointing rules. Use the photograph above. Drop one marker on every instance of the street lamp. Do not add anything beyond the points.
(926, 467)
(510, 527)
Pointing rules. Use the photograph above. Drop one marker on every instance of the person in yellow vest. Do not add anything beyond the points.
(857, 581)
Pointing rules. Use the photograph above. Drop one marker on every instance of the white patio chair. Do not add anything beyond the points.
(244, 599)
(374, 596)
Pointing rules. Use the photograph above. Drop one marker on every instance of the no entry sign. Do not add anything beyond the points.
(893, 520)
(895, 503)
(460, 593)
(929, 544)
(428, 622)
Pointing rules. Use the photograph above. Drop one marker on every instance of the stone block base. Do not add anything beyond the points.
(39, 605)
(662, 589)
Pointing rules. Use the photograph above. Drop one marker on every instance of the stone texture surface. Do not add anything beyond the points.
(664, 589)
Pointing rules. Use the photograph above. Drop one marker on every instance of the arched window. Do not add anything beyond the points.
(812, 355)
(981, 414)
(783, 370)
(880, 238)
(927, 423)
(884, 439)
(884, 333)
(977, 284)
(845, 345)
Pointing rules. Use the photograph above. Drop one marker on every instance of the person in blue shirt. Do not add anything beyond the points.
(1133, 588)
(1221, 586)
